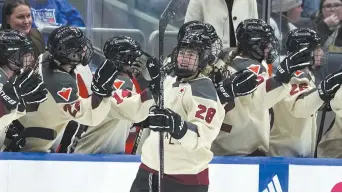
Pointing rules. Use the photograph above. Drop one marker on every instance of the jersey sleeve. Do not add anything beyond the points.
(336, 103)
(130, 105)
(304, 99)
(205, 115)
(82, 110)
(6, 119)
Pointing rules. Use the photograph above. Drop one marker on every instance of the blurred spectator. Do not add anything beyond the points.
(328, 22)
(223, 15)
(16, 15)
(284, 13)
(55, 13)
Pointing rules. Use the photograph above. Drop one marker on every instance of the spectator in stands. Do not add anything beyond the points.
(223, 15)
(328, 22)
(284, 13)
(16, 14)
(55, 13)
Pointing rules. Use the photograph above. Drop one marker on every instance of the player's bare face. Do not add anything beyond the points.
(188, 59)
(20, 19)
(318, 54)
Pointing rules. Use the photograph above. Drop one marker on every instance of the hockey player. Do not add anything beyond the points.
(191, 120)
(21, 88)
(111, 134)
(246, 127)
(294, 130)
(67, 48)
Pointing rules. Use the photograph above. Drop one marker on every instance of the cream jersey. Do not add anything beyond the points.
(196, 101)
(246, 127)
(111, 134)
(294, 127)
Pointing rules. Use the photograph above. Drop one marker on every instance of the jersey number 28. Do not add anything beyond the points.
(209, 113)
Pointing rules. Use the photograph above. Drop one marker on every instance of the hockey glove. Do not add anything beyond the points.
(149, 67)
(293, 62)
(329, 86)
(31, 88)
(104, 78)
(165, 120)
(8, 95)
(241, 83)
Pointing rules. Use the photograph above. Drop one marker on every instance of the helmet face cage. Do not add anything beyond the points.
(306, 38)
(193, 53)
(68, 45)
(17, 51)
(256, 38)
(122, 49)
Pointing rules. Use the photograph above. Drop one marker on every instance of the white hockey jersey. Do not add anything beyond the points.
(294, 128)
(246, 127)
(196, 101)
(111, 134)
(331, 143)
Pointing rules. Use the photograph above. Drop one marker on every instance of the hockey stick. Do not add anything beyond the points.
(321, 127)
(168, 15)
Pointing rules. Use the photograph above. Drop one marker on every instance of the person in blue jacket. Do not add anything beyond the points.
(55, 13)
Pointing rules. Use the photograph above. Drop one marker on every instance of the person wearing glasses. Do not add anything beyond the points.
(328, 22)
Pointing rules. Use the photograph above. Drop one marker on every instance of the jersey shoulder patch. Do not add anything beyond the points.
(246, 63)
(123, 82)
(61, 85)
(203, 88)
(300, 76)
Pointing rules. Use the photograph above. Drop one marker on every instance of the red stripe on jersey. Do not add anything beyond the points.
(82, 88)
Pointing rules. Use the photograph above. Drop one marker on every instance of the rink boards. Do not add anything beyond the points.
(94, 173)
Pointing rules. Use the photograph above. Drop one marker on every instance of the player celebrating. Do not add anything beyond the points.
(246, 127)
(110, 135)
(294, 129)
(191, 120)
(68, 47)
(20, 86)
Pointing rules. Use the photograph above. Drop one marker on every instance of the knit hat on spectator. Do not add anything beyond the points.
(284, 5)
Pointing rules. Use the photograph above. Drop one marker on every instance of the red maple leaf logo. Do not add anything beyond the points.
(118, 84)
(65, 93)
(254, 68)
(298, 73)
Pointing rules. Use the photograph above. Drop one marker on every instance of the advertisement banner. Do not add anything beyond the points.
(315, 178)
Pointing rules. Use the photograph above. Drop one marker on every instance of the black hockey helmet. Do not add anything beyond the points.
(202, 38)
(69, 45)
(199, 27)
(301, 38)
(254, 36)
(17, 50)
(122, 49)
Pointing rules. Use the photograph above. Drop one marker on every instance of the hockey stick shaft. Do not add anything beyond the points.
(320, 131)
(165, 18)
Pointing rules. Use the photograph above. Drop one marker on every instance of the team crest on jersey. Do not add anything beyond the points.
(254, 68)
(298, 73)
(118, 84)
(65, 93)
(181, 91)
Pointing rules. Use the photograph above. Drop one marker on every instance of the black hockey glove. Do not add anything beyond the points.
(329, 86)
(150, 70)
(14, 140)
(31, 88)
(241, 83)
(165, 120)
(293, 62)
(26, 88)
(104, 78)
